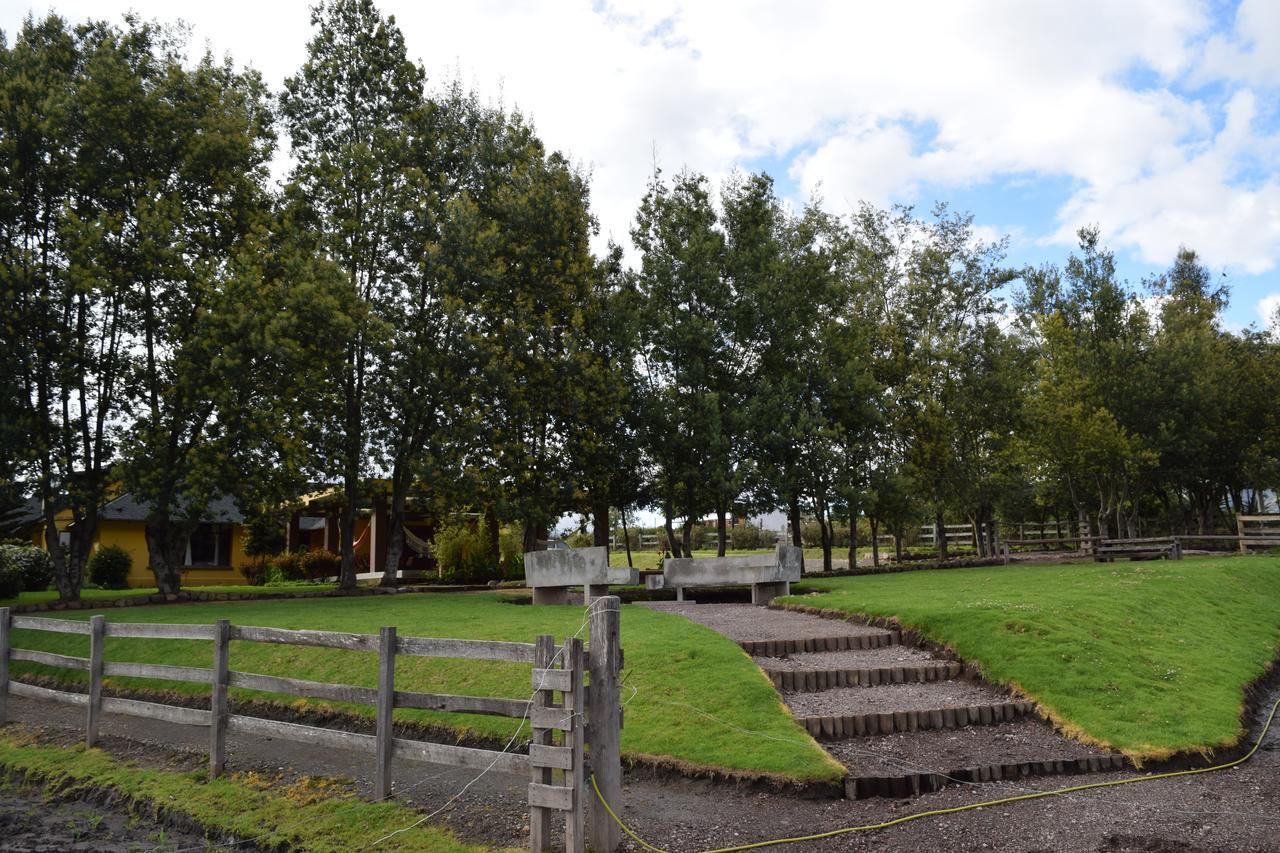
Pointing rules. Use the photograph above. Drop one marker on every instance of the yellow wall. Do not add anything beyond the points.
(131, 536)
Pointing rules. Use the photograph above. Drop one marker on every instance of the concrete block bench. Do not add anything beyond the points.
(550, 573)
(769, 575)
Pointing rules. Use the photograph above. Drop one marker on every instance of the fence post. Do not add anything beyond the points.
(1244, 549)
(97, 634)
(4, 665)
(1004, 552)
(605, 654)
(539, 817)
(575, 780)
(218, 698)
(386, 702)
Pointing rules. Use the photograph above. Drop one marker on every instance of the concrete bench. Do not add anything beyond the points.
(550, 573)
(769, 575)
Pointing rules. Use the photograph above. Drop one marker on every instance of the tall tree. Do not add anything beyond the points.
(348, 112)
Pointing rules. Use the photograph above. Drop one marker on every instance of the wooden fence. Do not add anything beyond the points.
(556, 747)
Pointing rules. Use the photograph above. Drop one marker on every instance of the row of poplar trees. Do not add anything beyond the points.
(418, 301)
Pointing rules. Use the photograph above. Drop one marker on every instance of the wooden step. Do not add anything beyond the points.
(914, 784)
(813, 680)
(888, 722)
(782, 648)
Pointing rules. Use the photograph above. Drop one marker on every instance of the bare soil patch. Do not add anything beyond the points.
(892, 697)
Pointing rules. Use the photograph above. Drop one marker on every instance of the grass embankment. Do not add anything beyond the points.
(695, 692)
(1149, 657)
(309, 814)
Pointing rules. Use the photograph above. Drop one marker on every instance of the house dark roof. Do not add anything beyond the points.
(22, 516)
(128, 508)
(310, 522)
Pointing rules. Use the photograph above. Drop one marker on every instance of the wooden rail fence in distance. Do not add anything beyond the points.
(558, 726)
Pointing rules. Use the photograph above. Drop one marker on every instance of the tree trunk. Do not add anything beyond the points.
(347, 531)
(940, 534)
(875, 541)
(824, 525)
(395, 529)
(626, 538)
(673, 544)
(722, 532)
(493, 531)
(793, 516)
(600, 522)
(166, 549)
(853, 536)
(535, 536)
(686, 536)
(897, 545)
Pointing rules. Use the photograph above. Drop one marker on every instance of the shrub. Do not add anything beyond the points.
(749, 537)
(10, 578)
(34, 565)
(511, 562)
(319, 564)
(109, 567)
(463, 555)
(286, 566)
(579, 539)
(255, 573)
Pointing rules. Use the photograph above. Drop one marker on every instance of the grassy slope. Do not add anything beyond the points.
(308, 815)
(678, 670)
(1148, 657)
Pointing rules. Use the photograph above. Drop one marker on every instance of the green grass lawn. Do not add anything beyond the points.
(91, 594)
(1147, 657)
(309, 814)
(695, 692)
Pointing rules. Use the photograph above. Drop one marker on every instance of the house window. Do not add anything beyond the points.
(209, 545)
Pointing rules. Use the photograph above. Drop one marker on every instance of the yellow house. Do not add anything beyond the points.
(215, 549)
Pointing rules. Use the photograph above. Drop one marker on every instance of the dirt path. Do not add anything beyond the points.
(1232, 810)
(30, 822)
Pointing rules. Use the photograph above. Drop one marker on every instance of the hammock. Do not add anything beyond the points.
(419, 545)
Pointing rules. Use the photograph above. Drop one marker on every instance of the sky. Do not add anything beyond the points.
(1157, 120)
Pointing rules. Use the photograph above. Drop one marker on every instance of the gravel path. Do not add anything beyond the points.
(892, 697)
(951, 749)
(849, 659)
(1237, 810)
(747, 622)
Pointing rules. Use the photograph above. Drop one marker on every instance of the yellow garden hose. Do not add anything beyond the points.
(907, 818)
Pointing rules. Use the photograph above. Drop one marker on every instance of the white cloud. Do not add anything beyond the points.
(870, 101)
(1269, 311)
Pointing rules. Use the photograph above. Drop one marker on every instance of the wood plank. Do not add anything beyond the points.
(385, 697)
(561, 719)
(300, 687)
(156, 711)
(302, 734)
(160, 631)
(495, 706)
(540, 818)
(49, 659)
(4, 665)
(460, 756)
(59, 626)
(466, 649)
(555, 757)
(97, 639)
(322, 639)
(219, 710)
(551, 797)
(552, 679)
(32, 691)
(156, 670)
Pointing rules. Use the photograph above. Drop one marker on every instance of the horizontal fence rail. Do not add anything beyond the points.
(554, 710)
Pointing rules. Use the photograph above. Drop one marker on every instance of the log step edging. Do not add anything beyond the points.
(782, 648)
(914, 784)
(815, 680)
(891, 722)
